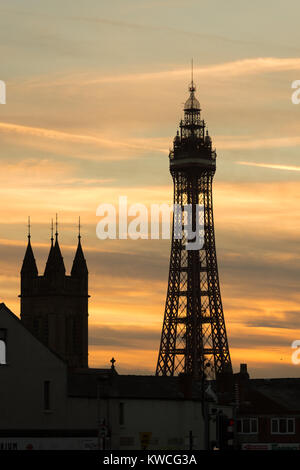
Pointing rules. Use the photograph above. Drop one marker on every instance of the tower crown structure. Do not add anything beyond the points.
(192, 146)
(193, 340)
(192, 104)
(54, 306)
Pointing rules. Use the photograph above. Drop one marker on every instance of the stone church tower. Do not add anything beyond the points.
(54, 306)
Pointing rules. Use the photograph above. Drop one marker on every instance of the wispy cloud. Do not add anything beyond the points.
(233, 142)
(61, 136)
(155, 28)
(44, 173)
(255, 66)
(131, 145)
(272, 166)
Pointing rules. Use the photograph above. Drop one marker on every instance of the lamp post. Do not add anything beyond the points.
(205, 414)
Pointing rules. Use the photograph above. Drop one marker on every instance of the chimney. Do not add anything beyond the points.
(241, 385)
(243, 371)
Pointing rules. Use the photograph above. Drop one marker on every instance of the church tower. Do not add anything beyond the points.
(54, 306)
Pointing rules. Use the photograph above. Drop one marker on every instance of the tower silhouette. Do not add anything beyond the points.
(193, 340)
(54, 306)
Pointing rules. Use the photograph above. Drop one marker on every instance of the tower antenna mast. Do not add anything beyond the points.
(56, 226)
(29, 228)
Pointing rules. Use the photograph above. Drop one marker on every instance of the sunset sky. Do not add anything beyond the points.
(94, 95)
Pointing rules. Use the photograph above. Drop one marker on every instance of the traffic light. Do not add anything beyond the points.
(225, 432)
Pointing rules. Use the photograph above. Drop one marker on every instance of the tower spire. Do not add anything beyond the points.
(192, 87)
(55, 261)
(29, 264)
(52, 239)
(29, 235)
(79, 267)
(56, 227)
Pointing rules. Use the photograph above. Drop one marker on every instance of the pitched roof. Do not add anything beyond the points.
(5, 309)
(283, 392)
(107, 382)
(269, 396)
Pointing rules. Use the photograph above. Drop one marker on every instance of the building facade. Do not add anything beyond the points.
(44, 404)
(267, 412)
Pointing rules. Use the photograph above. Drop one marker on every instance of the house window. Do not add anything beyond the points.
(283, 426)
(247, 426)
(47, 401)
(2, 346)
(121, 414)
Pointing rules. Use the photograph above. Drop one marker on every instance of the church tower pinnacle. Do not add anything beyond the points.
(55, 263)
(79, 267)
(29, 265)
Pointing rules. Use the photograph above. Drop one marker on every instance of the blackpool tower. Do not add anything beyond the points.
(193, 340)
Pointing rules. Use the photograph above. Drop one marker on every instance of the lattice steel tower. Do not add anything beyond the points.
(193, 340)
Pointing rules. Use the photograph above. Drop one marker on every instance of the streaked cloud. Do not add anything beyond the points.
(271, 166)
(253, 66)
(57, 136)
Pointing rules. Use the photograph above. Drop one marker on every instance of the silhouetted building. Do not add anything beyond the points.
(47, 406)
(268, 412)
(54, 306)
